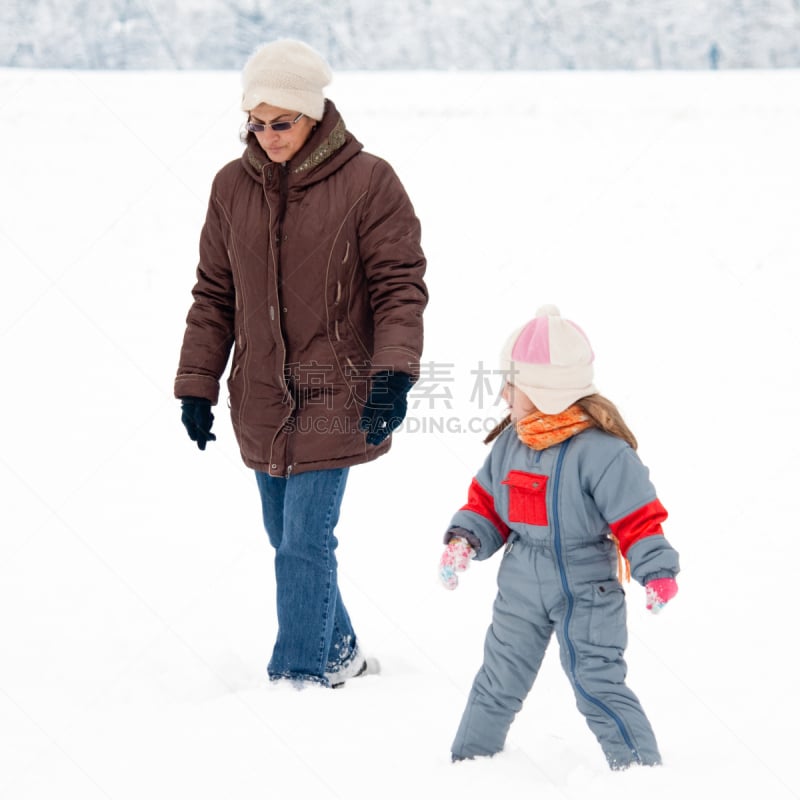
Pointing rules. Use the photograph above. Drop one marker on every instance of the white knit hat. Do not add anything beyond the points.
(287, 74)
(550, 359)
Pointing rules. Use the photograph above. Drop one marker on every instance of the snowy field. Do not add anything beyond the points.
(659, 211)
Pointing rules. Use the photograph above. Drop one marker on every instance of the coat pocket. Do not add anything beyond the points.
(527, 497)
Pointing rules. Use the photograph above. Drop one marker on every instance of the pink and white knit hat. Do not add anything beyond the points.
(551, 360)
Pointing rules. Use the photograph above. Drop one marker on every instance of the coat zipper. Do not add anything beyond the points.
(276, 245)
(283, 194)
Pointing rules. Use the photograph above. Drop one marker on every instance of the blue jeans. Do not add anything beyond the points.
(315, 635)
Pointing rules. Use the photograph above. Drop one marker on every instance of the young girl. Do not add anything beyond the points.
(565, 492)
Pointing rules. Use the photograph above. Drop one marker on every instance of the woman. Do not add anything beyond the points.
(311, 269)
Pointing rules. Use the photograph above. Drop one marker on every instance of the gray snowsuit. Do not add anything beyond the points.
(556, 510)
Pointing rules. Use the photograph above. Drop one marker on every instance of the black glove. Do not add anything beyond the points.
(197, 417)
(386, 406)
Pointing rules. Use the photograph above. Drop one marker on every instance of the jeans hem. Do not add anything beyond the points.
(299, 678)
(349, 646)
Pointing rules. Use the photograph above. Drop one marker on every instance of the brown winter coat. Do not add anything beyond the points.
(313, 273)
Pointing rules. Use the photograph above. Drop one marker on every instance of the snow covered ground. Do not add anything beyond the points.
(659, 211)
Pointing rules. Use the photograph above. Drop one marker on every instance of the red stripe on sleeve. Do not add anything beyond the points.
(480, 502)
(645, 521)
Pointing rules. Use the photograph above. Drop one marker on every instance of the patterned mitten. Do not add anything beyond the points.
(455, 559)
(659, 592)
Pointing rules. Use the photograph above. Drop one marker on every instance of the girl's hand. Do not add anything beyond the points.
(659, 592)
(455, 559)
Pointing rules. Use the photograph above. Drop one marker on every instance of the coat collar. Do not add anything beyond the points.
(315, 157)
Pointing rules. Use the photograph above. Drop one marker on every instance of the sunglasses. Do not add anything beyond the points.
(260, 127)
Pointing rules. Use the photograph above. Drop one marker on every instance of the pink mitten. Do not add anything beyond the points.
(455, 559)
(659, 592)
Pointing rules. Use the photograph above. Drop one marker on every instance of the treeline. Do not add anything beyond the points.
(405, 34)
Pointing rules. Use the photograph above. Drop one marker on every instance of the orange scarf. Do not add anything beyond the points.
(540, 431)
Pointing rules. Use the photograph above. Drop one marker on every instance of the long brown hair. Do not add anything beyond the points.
(600, 410)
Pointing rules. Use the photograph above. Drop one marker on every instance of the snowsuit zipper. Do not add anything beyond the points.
(571, 605)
